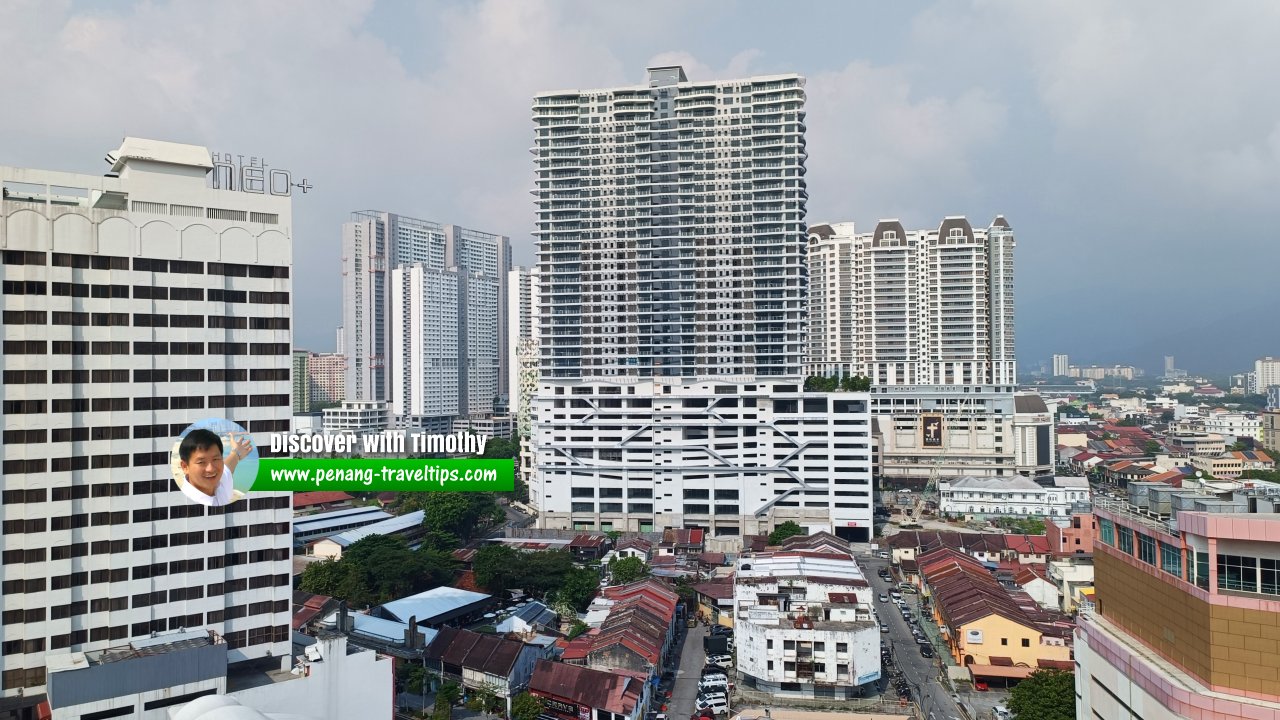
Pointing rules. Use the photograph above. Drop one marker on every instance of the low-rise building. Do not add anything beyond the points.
(1070, 536)
(356, 418)
(409, 526)
(1072, 576)
(715, 601)
(573, 692)
(1015, 496)
(995, 633)
(326, 524)
(437, 607)
(1223, 467)
(481, 662)
(804, 624)
(633, 628)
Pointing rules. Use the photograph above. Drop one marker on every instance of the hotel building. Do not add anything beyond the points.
(135, 304)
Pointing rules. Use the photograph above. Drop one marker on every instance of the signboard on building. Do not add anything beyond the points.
(560, 706)
(762, 616)
(931, 431)
(251, 174)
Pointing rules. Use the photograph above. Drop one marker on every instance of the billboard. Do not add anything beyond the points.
(931, 431)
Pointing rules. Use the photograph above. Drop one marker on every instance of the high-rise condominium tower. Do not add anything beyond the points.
(671, 235)
(671, 258)
(133, 306)
(925, 307)
(454, 341)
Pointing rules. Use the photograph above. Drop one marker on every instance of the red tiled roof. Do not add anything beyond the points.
(616, 692)
(638, 543)
(715, 590)
(1056, 664)
(711, 558)
(488, 654)
(319, 497)
(683, 536)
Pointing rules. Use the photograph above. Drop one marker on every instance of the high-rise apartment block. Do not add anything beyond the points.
(672, 274)
(921, 307)
(1061, 365)
(424, 312)
(135, 304)
(671, 228)
(524, 339)
(1266, 373)
(1187, 616)
(319, 380)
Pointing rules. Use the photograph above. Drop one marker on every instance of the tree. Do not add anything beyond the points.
(628, 569)
(577, 628)
(525, 707)
(784, 531)
(578, 588)
(1151, 447)
(1045, 695)
(497, 567)
(465, 515)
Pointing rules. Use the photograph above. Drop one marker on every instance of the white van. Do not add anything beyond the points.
(718, 706)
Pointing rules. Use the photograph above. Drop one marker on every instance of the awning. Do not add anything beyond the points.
(1013, 672)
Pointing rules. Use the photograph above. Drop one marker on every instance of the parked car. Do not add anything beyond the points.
(721, 630)
(980, 685)
(719, 707)
(719, 659)
(884, 598)
(1001, 712)
(884, 628)
(926, 651)
(713, 683)
(714, 674)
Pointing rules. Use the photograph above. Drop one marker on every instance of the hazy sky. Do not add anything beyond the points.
(1133, 146)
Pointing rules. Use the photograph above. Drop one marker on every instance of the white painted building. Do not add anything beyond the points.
(375, 245)
(735, 457)
(1233, 426)
(356, 417)
(1266, 374)
(1061, 365)
(804, 624)
(134, 305)
(671, 227)
(1016, 496)
(921, 307)
(523, 339)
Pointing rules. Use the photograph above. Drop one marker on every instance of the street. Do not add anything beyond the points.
(921, 673)
(688, 672)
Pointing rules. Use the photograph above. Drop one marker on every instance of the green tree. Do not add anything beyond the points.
(1045, 695)
(784, 531)
(525, 707)
(497, 567)
(502, 448)
(1151, 447)
(543, 572)
(627, 569)
(448, 694)
(465, 515)
(577, 628)
(322, 578)
(577, 588)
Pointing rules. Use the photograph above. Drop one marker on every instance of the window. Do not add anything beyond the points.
(1146, 549)
(1126, 540)
(1026, 642)
(1107, 531)
(1004, 641)
(1171, 559)
(1237, 572)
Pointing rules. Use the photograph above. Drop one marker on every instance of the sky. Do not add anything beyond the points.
(1134, 146)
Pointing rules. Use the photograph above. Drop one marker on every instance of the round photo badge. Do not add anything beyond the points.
(214, 462)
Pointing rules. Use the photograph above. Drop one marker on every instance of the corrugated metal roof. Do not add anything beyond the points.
(386, 527)
(433, 603)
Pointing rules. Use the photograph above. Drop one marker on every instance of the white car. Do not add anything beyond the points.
(719, 707)
(713, 695)
(713, 686)
(721, 660)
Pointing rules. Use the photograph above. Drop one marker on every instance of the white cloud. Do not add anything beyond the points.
(877, 149)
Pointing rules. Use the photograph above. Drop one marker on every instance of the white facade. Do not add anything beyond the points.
(523, 338)
(333, 683)
(425, 334)
(134, 306)
(1061, 365)
(359, 418)
(375, 245)
(788, 627)
(925, 307)
(1035, 444)
(671, 235)
(1233, 426)
(733, 457)
(1018, 496)
(1266, 373)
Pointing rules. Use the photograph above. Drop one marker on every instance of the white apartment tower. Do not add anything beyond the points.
(671, 235)
(1061, 365)
(378, 244)
(925, 307)
(523, 339)
(1266, 373)
(135, 304)
(672, 275)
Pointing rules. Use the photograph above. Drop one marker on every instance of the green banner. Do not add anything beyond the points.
(368, 475)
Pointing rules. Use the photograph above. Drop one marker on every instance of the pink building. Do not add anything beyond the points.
(1075, 537)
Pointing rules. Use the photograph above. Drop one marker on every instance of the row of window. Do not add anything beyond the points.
(97, 377)
(32, 677)
(120, 432)
(181, 402)
(140, 487)
(151, 320)
(112, 262)
(109, 347)
(1232, 575)
(84, 290)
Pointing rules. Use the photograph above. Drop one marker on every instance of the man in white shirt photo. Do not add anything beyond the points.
(209, 475)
